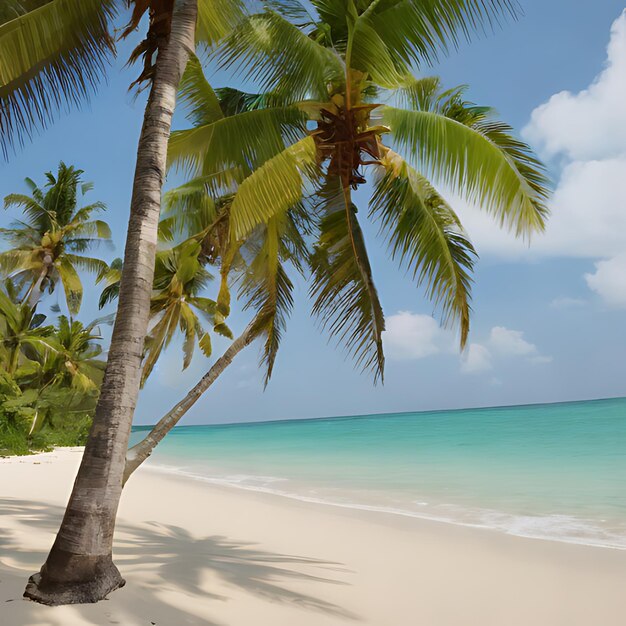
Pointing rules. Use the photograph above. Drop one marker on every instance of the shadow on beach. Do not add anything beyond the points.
(162, 564)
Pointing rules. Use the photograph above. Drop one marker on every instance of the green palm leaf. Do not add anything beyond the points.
(89, 264)
(217, 18)
(236, 140)
(345, 297)
(280, 57)
(426, 237)
(504, 180)
(71, 284)
(273, 188)
(188, 324)
(416, 32)
(268, 290)
(160, 336)
(34, 211)
(197, 95)
(49, 57)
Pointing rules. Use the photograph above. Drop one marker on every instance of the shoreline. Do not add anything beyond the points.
(177, 473)
(196, 553)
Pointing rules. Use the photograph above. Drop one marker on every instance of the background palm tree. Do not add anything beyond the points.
(64, 375)
(73, 358)
(49, 376)
(20, 326)
(46, 248)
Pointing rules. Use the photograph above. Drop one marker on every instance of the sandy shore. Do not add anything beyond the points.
(193, 553)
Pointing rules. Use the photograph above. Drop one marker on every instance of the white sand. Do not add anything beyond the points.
(193, 553)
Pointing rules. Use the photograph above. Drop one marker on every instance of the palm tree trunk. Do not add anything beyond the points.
(34, 294)
(80, 567)
(139, 453)
(14, 360)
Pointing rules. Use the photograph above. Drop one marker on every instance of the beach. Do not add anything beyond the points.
(205, 554)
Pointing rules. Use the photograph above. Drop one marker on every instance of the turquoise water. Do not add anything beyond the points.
(554, 471)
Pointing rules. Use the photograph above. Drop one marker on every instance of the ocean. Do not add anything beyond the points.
(552, 471)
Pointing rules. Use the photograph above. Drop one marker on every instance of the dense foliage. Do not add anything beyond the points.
(50, 365)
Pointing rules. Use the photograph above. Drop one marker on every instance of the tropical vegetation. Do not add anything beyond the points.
(50, 373)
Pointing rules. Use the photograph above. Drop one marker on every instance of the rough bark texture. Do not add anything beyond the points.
(139, 453)
(79, 567)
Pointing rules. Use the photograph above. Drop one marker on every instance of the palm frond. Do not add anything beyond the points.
(217, 18)
(109, 294)
(188, 325)
(280, 57)
(417, 32)
(273, 188)
(158, 339)
(425, 236)
(247, 139)
(88, 264)
(36, 214)
(52, 57)
(345, 297)
(71, 284)
(369, 54)
(294, 11)
(197, 95)
(234, 101)
(268, 291)
(94, 230)
(504, 179)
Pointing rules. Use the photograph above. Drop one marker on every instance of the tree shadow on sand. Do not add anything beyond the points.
(173, 559)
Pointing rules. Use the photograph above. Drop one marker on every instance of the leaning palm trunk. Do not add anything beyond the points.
(139, 453)
(36, 290)
(79, 567)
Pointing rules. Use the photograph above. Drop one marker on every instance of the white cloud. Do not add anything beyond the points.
(476, 359)
(566, 302)
(609, 280)
(591, 124)
(411, 336)
(585, 133)
(510, 342)
(502, 344)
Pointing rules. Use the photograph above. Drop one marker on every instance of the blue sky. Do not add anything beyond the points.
(548, 320)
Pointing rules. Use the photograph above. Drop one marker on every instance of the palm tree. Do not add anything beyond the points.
(64, 374)
(326, 77)
(73, 359)
(79, 567)
(176, 303)
(334, 84)
(179, 280)
(20, 326)
(47, 247)
(259, 265)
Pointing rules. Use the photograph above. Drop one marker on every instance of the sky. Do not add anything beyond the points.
(548, 318)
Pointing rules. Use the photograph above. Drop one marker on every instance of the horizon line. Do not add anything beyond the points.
(365, 415)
